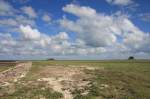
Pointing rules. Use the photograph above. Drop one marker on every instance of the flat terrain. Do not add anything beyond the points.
(113, 79)
(6, 65)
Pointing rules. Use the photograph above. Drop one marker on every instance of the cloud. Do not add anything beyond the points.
(16, 21)
(100, 30)
(46, 18)
(79, 11)
(120, 2)
(54, 42)
(125, 5)
(98, 34)
(29, 11)
(145, 17)
(92, 29)
(30, 42)
(21, 1)
(25, 21)
(33, 42)
(5, 8)
(11, 18)
(11, 25)
(62, 36)
(30, 33)
(6, 39)
(8, 22)
(6, 43)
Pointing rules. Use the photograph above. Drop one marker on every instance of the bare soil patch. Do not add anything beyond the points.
(65, 79)
(62, 79)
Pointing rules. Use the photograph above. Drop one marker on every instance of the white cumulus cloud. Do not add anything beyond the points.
(29, 11)
(30, 33)
(46, 18)
(5, 8)
(100, 30)
(120, 2)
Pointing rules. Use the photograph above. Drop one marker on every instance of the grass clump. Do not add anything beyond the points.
(32, 92)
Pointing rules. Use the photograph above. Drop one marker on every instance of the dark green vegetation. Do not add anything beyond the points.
(128, 79)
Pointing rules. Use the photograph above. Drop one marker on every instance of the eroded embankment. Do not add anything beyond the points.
(12, 74)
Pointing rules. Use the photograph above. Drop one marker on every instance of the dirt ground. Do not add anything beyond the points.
(62, 79)
(78, 80)
(66, 79)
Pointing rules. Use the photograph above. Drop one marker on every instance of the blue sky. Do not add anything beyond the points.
(74, 29)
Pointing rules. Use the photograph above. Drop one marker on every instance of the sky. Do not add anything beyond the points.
(74, 29)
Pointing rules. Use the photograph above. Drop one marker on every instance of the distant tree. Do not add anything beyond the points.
(130, 58)
(51, 59)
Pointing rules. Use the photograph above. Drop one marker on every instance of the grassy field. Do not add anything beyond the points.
(6, 65)
(114, 79)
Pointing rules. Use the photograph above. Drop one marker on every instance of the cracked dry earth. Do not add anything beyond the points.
(66, 79)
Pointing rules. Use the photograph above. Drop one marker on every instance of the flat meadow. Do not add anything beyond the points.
(82, 79)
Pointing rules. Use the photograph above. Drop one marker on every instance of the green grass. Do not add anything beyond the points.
(2, 68)
(90, 62)
(6, 65)
(32, 92)
(128, 79)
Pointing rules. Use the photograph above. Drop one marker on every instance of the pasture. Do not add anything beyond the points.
(92, 79)
(4, 65)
